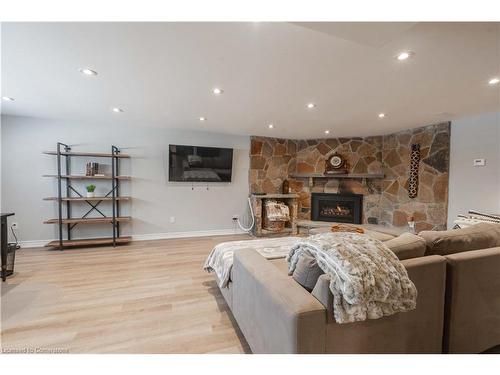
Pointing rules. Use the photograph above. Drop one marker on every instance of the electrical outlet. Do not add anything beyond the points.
(14, 226)
(235, 217)
(172, 219)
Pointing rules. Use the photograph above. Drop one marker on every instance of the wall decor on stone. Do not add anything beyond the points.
(386, 200)
(430, 207)
(414, 164)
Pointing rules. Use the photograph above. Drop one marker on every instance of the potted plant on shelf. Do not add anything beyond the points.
(90, 191)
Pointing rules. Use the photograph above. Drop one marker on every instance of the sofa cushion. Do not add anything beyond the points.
(307, 272)
(475, 237)
(407, 245)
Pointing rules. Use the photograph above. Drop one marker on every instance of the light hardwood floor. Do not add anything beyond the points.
(146, 297)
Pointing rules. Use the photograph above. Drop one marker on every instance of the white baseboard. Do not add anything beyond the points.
(36, 243)
(199, 233)
(155, 236)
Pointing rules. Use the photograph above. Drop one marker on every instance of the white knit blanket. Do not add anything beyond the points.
(220, 259)
(367, 280)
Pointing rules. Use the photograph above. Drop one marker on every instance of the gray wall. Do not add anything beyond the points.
(474, 187)
(155, 200)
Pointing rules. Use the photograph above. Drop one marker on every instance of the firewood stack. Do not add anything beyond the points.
(276, 214)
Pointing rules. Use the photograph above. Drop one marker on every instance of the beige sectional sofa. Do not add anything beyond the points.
(472, 304)
(457, 275)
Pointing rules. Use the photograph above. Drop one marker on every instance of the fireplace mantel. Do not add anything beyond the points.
(333, 175)
(362, 176)
(274, 196)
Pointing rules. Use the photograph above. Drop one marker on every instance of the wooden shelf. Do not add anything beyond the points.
(274, 196)
(85, 199)
(90, 242)
(91, 154)
(83, 177)
(66, 224)
(91, 220)
(347, 175)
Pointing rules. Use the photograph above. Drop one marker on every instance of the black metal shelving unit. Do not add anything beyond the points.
(72, 195)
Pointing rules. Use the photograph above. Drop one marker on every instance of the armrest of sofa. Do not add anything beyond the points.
(275, 314)
(324, 295)
(472, 307)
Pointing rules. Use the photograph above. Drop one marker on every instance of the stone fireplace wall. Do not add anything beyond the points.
(271, 161)
(430, 207)
(385, 201)
(363, 155)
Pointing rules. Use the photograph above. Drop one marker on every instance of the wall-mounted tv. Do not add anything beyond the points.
(199, 164)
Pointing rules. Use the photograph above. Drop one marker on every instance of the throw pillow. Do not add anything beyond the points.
(407, 246)
(307, 272)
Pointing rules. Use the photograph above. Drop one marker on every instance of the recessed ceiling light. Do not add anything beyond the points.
(8, 98)
(217, 91)
(117, 110)
(88, 72)
(270, 126)
(327, 131)
(493, 81)
(404, 55)
(381, 115)
(311, 105)
(202, 119)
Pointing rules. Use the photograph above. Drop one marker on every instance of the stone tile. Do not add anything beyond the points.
(268, 187)
(404, 139)
(425, 194)
(399, 219)
(423, 226)
(332, 142)
(257, 162)
(291, 147)
(279, 150)
(393, 188)
(419, 216)
(331, 186)
(438, 160)
(440, 141)
(352, 186)
(302, 145)
(267, 150)
(392, 158)
(355, 145)
(440, 188)
(323, 148)
(303, 167)
(320, 166)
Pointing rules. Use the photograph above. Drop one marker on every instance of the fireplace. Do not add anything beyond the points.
(340, 208)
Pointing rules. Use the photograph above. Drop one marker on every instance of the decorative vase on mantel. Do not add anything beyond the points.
(285, 187)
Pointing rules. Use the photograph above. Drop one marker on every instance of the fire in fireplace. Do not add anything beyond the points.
(341, 208)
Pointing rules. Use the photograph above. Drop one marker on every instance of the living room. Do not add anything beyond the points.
(250, 187)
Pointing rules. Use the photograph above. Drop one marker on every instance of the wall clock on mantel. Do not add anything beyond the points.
(335, 164)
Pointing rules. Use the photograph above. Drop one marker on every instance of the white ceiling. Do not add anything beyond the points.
(162, 74)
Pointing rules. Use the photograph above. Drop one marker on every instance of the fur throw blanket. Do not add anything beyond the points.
(367, 280)
(220, 259)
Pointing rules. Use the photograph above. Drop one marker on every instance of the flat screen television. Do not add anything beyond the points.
(199, 164)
